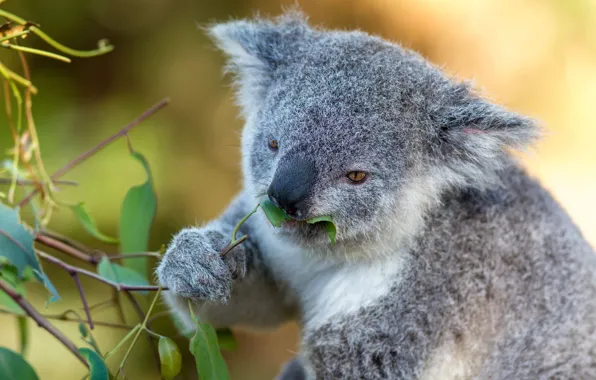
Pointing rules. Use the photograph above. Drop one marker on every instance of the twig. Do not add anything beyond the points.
(48, 241)
(41, 321)
(63, 170)
(27, 182)
(64, 318)
(72, 269)
(64, 239)
(77, 281)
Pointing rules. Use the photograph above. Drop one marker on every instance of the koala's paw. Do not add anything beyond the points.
(194, 268)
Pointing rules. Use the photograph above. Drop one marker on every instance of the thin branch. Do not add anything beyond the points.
(63, 170)
(64, 318)
(77, 281)
(27, 182)
(41, 321)
(72, 269)
(64, 239)
(48, 241)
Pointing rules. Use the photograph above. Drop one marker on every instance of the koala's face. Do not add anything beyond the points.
(327, 140)
(348, 125)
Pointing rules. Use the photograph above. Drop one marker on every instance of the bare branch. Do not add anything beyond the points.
(61, 246)
(72, 270)
(41, 321)
(64, 318)
(28, 182)
(77, 281)
(66, 168)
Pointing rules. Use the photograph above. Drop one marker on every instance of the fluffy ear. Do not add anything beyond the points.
(255, 49)
(476, 134)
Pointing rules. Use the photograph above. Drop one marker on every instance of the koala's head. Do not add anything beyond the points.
(349, 125)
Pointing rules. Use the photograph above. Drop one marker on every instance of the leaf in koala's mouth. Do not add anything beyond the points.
(277, 216)
(329, 226)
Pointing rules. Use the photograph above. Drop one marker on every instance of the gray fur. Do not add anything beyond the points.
(450, 262)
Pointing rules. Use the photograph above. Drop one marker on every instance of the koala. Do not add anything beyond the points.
(450, 262)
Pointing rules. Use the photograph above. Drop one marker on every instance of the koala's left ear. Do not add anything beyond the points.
(255, 48)
(477, 131)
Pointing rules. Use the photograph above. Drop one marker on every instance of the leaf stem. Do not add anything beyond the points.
(124, 340)
(103, 47)
(142, 327)
(44, 53)
(15, 35)
(41, 321)
(235, 242)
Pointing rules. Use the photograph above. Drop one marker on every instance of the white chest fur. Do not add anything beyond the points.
(326, 288)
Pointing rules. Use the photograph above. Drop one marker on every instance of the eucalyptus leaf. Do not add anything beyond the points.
(83, 330)
(23, 324)
(205, 348)
(97, 366)
(14, 367)
(226, 340)
(88, 223)
(120, 274)
(137, 214)
(329, 226)
(16, 248)
(8, 274)
(169, 357)
(275, 215)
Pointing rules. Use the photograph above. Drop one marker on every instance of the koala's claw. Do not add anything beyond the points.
(194, 268)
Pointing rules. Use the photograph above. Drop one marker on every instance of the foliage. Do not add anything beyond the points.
(277, 216)
(23, 242)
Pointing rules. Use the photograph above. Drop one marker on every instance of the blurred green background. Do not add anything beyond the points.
(535, 56)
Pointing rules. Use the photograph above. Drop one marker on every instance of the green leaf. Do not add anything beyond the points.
(83, 330)
(97, 367)
(205, 349)
(120, 274)
(138, 211)
(8, 274)
(329, 226)
(23, 334)
(170, 358)
(14, 367)
(275, 215)
(226, 340)
(16, 248)
(88, 223)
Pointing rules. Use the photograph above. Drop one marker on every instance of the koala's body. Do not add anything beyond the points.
(450, 262)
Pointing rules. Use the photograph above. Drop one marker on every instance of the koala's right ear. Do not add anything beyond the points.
(255, 48)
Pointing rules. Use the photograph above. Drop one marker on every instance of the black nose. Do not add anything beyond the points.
(292, 185)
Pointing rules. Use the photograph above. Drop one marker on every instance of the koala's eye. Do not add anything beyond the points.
(356, 176)
(273, 144)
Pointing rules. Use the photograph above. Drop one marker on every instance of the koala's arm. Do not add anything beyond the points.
(237, 289)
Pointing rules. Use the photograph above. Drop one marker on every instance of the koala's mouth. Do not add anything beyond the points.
(306, 233)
